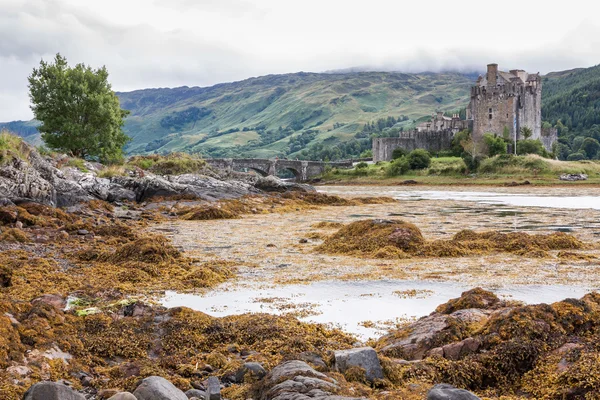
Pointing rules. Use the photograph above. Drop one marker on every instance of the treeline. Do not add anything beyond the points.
(571, 103)
(382, 123)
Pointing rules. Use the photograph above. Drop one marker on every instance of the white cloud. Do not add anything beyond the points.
(202, 42)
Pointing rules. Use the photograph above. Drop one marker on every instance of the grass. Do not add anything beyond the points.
(171, 164)
(112, 171)
(77, 163)
(498, 170)
(11, 147)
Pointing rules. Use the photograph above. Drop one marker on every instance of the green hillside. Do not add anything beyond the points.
(259, 117)
(327, 115)
(571, 102)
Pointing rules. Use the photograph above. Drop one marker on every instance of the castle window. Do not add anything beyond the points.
(490, 113)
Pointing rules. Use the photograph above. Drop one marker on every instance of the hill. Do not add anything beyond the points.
(280, 115)
(326, 115)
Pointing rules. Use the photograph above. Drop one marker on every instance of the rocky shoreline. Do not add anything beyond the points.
(78, 318)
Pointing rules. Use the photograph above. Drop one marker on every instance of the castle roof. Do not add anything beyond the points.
(533, 77)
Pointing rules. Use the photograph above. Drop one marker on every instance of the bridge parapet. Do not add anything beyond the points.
(302, 170)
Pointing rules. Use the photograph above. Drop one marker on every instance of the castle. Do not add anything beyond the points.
(501, 103)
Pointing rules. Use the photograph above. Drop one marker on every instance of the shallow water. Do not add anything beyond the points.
(347, 304)
(497, 198)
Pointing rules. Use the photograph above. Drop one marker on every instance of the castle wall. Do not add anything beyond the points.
(548, 137)
(531, 113)
(409, 141)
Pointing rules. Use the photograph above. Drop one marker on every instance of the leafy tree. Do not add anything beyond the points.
(526, 132)
(590, 147)
(78, 111)
(496, 145)
(419, 159)
(398, 152)
(457, 142)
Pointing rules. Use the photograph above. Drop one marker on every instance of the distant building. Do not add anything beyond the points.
(506, 102)
(501, 102)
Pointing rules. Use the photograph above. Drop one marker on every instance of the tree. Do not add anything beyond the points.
(531, 147)
(419, 159)
(397, 167)
(526, 132)
(590, 147)
(495, 145)
(78, 111)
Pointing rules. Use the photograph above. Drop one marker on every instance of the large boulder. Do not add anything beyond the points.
(20, 181)
(158, 388)
(363, 357)
(123, 396)
(296, 380)
(51, 391)
(443, 391)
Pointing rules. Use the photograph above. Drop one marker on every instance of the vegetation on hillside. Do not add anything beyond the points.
(571, 103)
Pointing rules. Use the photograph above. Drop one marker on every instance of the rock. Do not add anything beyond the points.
(19, 225)
(104, 394)
(158, 388)
(200, 394)
(457, 350)
(8, 216)
(423, 335)
(573, 177)
(274, 184)
(83, 232)
(18, 370)
(363, 357)
(6, 274)
(296, 380)
(303, 241)
(123, 396)
(213, 388)
(53, 300)
(314, 359)
(409, 182)
(51, 391)
(252, 369)
(448, 392)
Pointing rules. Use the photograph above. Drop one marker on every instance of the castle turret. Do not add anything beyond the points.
(492, 74)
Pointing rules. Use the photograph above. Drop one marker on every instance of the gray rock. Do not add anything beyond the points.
(213, 388)
(123, 396)
(448, 392)
(573, 177)
(51, 391)
(296, 380)
(200, 394)
(253, 369)
(274, 184)
(158, 388)
(363, 357)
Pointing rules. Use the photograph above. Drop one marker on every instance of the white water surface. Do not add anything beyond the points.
(345, 304)
(496, 198)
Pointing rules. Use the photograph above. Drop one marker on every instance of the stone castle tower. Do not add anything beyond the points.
(506, 100)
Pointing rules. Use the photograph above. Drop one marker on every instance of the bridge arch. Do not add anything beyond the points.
(297, 174)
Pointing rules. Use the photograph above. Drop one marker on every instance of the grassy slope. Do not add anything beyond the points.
(318, 101)
(451, 171)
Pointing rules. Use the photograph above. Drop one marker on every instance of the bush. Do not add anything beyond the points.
(419, 159)
(362, 165)
(530, 146)
(459, 138)
(398, 152)
(496, 145)
(576, 156)
(398, 167)
(472, 163)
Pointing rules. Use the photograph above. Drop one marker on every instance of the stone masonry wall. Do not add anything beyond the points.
(430, 141)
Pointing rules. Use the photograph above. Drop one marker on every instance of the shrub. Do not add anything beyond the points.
(576, 156)
(77, 163)
(11, 146)
(111, 171)
(362, 165)
(530, 146)
(419, 159)
(496, 145)
(398, 167)
(398, 152)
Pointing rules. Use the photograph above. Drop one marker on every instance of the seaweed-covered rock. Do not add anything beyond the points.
(448, 392)
(251, 369)
(158, 388)
(436, 330)
(274, 184)
(363, 357)
(474, 298)
(51, 391)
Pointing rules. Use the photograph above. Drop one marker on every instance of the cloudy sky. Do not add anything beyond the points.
(168, 43)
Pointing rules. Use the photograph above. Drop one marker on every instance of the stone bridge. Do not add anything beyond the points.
(302, 170)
